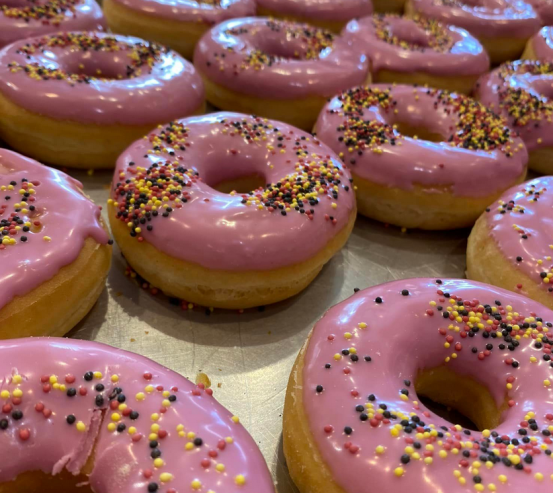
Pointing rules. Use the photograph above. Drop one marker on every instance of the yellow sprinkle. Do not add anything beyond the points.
(220, 467)
(140, 396)
(380, 450)
(17, 393)
(155, 417)
(115, 417)
(17, 379)
(5, 394)
(158, 462)
(81, 426)
(236, 419)
(114, 378)
(399, 471)
(165, 477)
(240, 480)
(196, 484)
(112, 427)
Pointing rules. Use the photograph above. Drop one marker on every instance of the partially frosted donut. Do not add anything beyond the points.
(276, 69)
(511, 245)
(354, 420)
(78, 99)
(419, 51)
(54, 251)
(502, 26)
(521, 91)
(21, 19)
(79, 416)
(229, 210)
(421, 158)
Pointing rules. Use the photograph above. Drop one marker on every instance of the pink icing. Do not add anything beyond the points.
(210, 12)
(447, 51)
(171, 88)
(406, 334)
(484, 18)
(544, 8)
(543, 44)
(326, 10)
(223, 231)
(521, 92)
(522, 227)
(278, 60)
(78, 15)
(66, 216)
(123, 463)
(383, 156)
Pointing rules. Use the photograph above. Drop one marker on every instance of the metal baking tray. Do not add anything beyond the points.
(248, 356)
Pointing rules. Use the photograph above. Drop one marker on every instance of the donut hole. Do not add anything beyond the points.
(410, 32)
(453, 396)
(97, 64)
(420, 132)
(243, 184)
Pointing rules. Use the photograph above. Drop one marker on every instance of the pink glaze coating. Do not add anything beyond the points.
(241, 231)
(542, 43)
(545, 10)
(521, 223)
(320, 10)
(408, 45)
(276, 59)
(61, 213)
(521, 91)
(62, 388)
(20, 19)
(484, 18)
(378, 340)
(359, 126)
(208, 12)
(143, 83)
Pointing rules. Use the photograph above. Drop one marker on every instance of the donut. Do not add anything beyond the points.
(419, 51)
(230, 211)
(511, 245)
(83, 416)
(502, 26)
(79, 99)
(356, 414)
(178, 25)
(328, 14)
(421, 158)
(520, 91)
(54, 251)
(540, 46)
(545, 10)
(21, 19)
(276, 69)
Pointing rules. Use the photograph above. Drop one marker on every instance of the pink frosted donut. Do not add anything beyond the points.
(50, 235)
(544, 8)
(100, 83)
(540, 47)
(421, 157)
(145, 428)
(330, 14)
(419, 51)
(275, 68)
(353, 415)
(502, 26)
(21, 19)
(290, 208)
(521, 92)
(511, 246)
(177, 24)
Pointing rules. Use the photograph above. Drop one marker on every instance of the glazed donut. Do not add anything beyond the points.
(276, 69)
(353, 414)
(545, 10)
(540, 46)
(178, 25)
(502, 26)
(520, 91)
(79, 99)
(21, 19)
(80, 416)
(419, 51)
(54, 251)
(230, 250)
(462, 159)
(511, 246)
(328, 14)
